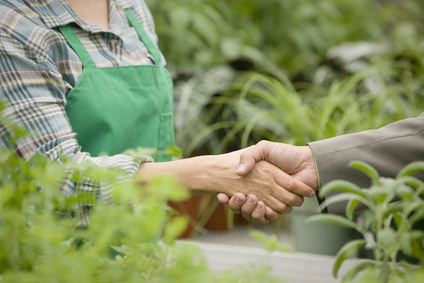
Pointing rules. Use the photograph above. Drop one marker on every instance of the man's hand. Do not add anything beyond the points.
(296, 161)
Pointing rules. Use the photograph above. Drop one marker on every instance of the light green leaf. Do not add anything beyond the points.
(346, 251)
(350, 208)
(350, 275)
(368, 170)
(411, 169)
(406, 243)
(386, 237)
(345, 186)
(346, 197)
(174, 228)
(269, 242)
(333, 219)
(405, 192)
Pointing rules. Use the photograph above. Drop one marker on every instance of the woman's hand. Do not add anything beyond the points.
(297, 161)
(278, 191)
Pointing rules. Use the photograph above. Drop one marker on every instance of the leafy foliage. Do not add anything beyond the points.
(393, 208)
(42, 239)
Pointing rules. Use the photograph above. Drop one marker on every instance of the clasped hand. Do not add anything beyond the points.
(293, 170)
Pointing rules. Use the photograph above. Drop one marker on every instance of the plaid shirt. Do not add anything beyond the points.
(39, 69)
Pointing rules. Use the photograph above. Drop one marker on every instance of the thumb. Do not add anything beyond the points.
(248, 159)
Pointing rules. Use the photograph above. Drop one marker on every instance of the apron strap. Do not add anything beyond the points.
(76, 44)
(153, 50)
(85, 57)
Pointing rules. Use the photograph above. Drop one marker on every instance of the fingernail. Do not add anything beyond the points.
(239, 199)
(312, 194)
(259, 206)
(250, 200)
(240, 168)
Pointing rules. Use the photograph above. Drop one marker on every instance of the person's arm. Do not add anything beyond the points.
(387, 149)
(37, 74)
(218, 173)
(35, 77)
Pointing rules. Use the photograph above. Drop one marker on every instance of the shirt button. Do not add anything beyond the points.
(113, 43)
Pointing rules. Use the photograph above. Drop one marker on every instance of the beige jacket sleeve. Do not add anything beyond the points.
(387, 149)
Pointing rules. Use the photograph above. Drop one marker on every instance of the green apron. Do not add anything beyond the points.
(117, 108)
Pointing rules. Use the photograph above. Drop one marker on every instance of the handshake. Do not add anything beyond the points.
(279, 176)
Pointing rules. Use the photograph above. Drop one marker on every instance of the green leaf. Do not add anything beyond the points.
(340, 185)
(405, 241)
(270, 243)
(411, 169)
(346, 251)
(368, 170)
(350, 275)
(411, 181)
(333, 219)
(346, 197)
(386, 237)
(400, 220)
(174, 228)
(405, 192)
(379, 194)
(350, 208)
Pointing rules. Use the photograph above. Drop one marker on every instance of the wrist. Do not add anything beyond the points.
(197, 174)
(313, 168)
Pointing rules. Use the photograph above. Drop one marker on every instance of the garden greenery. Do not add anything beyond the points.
(393, 207)
(333, 60)
(42, 239)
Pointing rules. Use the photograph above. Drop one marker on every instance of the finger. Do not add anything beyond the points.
(222, 198)
(250, 156)
(236, 202)
(249, 206)
(258, 214)
(272, 215)
(294, 186)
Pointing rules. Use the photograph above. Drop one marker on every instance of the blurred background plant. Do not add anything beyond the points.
(311, 48)
(44, 239)
(288, 71)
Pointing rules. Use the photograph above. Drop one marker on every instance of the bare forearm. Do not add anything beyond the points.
(197, 174)
(218, 174)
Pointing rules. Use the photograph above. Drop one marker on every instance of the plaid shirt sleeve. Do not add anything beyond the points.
(39, 69)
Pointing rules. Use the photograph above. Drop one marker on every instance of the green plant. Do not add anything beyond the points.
(260, 106)
(393, 208)
(43, 239)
